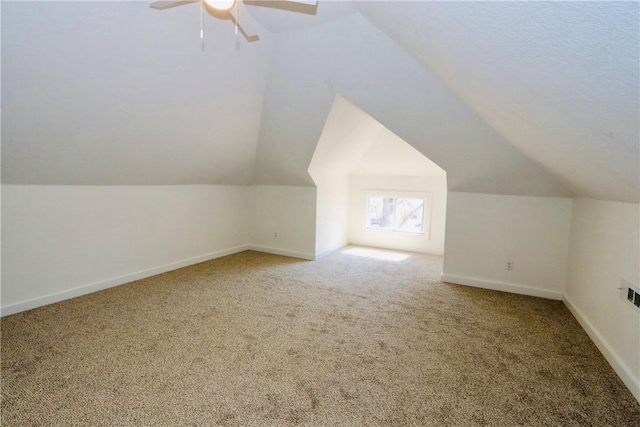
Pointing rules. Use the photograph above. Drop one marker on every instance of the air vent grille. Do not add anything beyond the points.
(630, 293)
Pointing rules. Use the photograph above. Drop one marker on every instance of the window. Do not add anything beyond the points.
(404, 214)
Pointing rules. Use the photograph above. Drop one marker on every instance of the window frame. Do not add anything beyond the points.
(427, 198)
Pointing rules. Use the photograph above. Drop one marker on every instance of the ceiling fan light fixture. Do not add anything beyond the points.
(220, 4)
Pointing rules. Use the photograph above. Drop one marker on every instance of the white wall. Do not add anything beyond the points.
(432, 241)
(347, 135)
(332, 211)
(288, 211)
(604, 249)
(59, 242)
(484, 231)
(63, 241)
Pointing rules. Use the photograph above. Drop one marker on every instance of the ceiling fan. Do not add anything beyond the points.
(236, 8)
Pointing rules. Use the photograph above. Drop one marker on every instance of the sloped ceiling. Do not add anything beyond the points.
(352, 57)
(389, 155)
(353, 143)
(115, 93)
(346, 137)
(509, 98)
(559, 80)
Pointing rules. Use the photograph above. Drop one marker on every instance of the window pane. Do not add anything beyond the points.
(409, 215)
(381, 212)
(395, 214)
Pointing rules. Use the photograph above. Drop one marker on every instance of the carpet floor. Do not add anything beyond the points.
(255, 339)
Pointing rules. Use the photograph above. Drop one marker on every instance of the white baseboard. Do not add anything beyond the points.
(504, 287)
(116, 281)
(283, 252)
(325, 253)
(623, 371)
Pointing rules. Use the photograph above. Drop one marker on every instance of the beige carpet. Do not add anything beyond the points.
(262, 340)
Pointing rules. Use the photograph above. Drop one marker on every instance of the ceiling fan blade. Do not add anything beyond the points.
(167, 4)
(246, 24)
(308, 7)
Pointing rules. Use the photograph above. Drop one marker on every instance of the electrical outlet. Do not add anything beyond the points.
(275, 235)
(509, 265)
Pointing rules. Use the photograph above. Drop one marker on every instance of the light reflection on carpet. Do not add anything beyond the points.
(377, 254)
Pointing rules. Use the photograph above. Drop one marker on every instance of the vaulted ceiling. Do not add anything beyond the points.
(523, 98)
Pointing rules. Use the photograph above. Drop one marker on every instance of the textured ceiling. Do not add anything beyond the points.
(116, 93)
(522, 98)
(559, 80)
(351, 57)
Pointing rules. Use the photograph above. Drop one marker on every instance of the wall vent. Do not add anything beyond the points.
(630, 293)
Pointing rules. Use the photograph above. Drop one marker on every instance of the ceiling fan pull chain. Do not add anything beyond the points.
(201, 13)
(237, 17)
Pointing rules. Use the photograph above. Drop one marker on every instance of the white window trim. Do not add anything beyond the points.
(427, 196)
